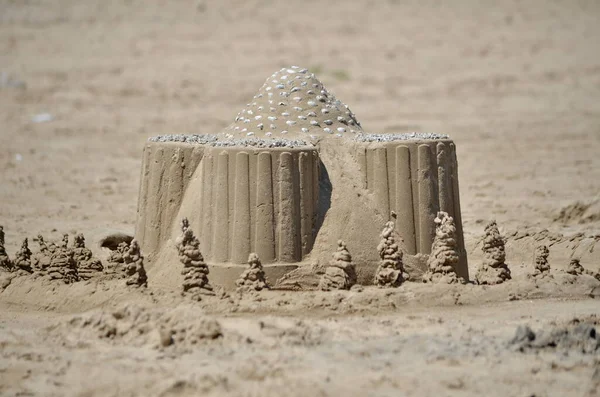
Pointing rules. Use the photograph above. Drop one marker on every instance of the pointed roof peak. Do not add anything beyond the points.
(293, 103)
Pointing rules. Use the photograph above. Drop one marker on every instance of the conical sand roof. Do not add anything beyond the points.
(293, 103)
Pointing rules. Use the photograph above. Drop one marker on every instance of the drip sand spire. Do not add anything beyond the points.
(134, 266)
(340, 274)
(253, 278)
(23, 258)
(444, 254)
(493, 270)
(390, 272)
(5, 262)
(62, 265)
(87, 265)
(575, 268)
(195, 270)
(540, 264)
(41, 259)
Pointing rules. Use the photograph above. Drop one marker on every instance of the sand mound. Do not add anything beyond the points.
(577, 337)
(138, 326)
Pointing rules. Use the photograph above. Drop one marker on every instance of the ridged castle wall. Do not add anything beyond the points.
(266, 200)
(415, 179)
(167, 168)
(257, 200)
(249, 200)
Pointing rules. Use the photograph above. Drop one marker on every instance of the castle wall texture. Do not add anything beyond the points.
(257, 200)
(415, 179)
(167, 168)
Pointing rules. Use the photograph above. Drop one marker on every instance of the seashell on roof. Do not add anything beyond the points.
(294, 103)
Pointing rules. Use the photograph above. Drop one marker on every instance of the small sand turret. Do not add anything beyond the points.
(134, 266)
(340, 274)
(541, 265)
(493, 270)
(195, 271)
(62, 265)
(575, 268)
(22, 260)
(444, 254)
(41, 260)
(5, 263)
(87, 265)
(253, 278)
(390, 272)
(116, 257)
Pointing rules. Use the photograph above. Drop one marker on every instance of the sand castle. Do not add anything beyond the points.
(291, 175)
(493, 270)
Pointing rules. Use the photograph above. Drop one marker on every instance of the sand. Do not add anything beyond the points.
(514, 85)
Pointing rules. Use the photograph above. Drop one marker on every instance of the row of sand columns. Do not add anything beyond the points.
(415, 180)
(258, 201)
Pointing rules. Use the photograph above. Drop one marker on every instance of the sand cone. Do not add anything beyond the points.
(541, 265)
(575, 268)
(253, 278)
(134, 266)
(5, 263)
(340, 274)
(115, 258)
(444, 253)
(41, 259)
(22, 260)
(195, 270)
(62, 266)
(493, 270)
(87, 265)
(390, 272)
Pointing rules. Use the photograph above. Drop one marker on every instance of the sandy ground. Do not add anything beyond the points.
(515, 84)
